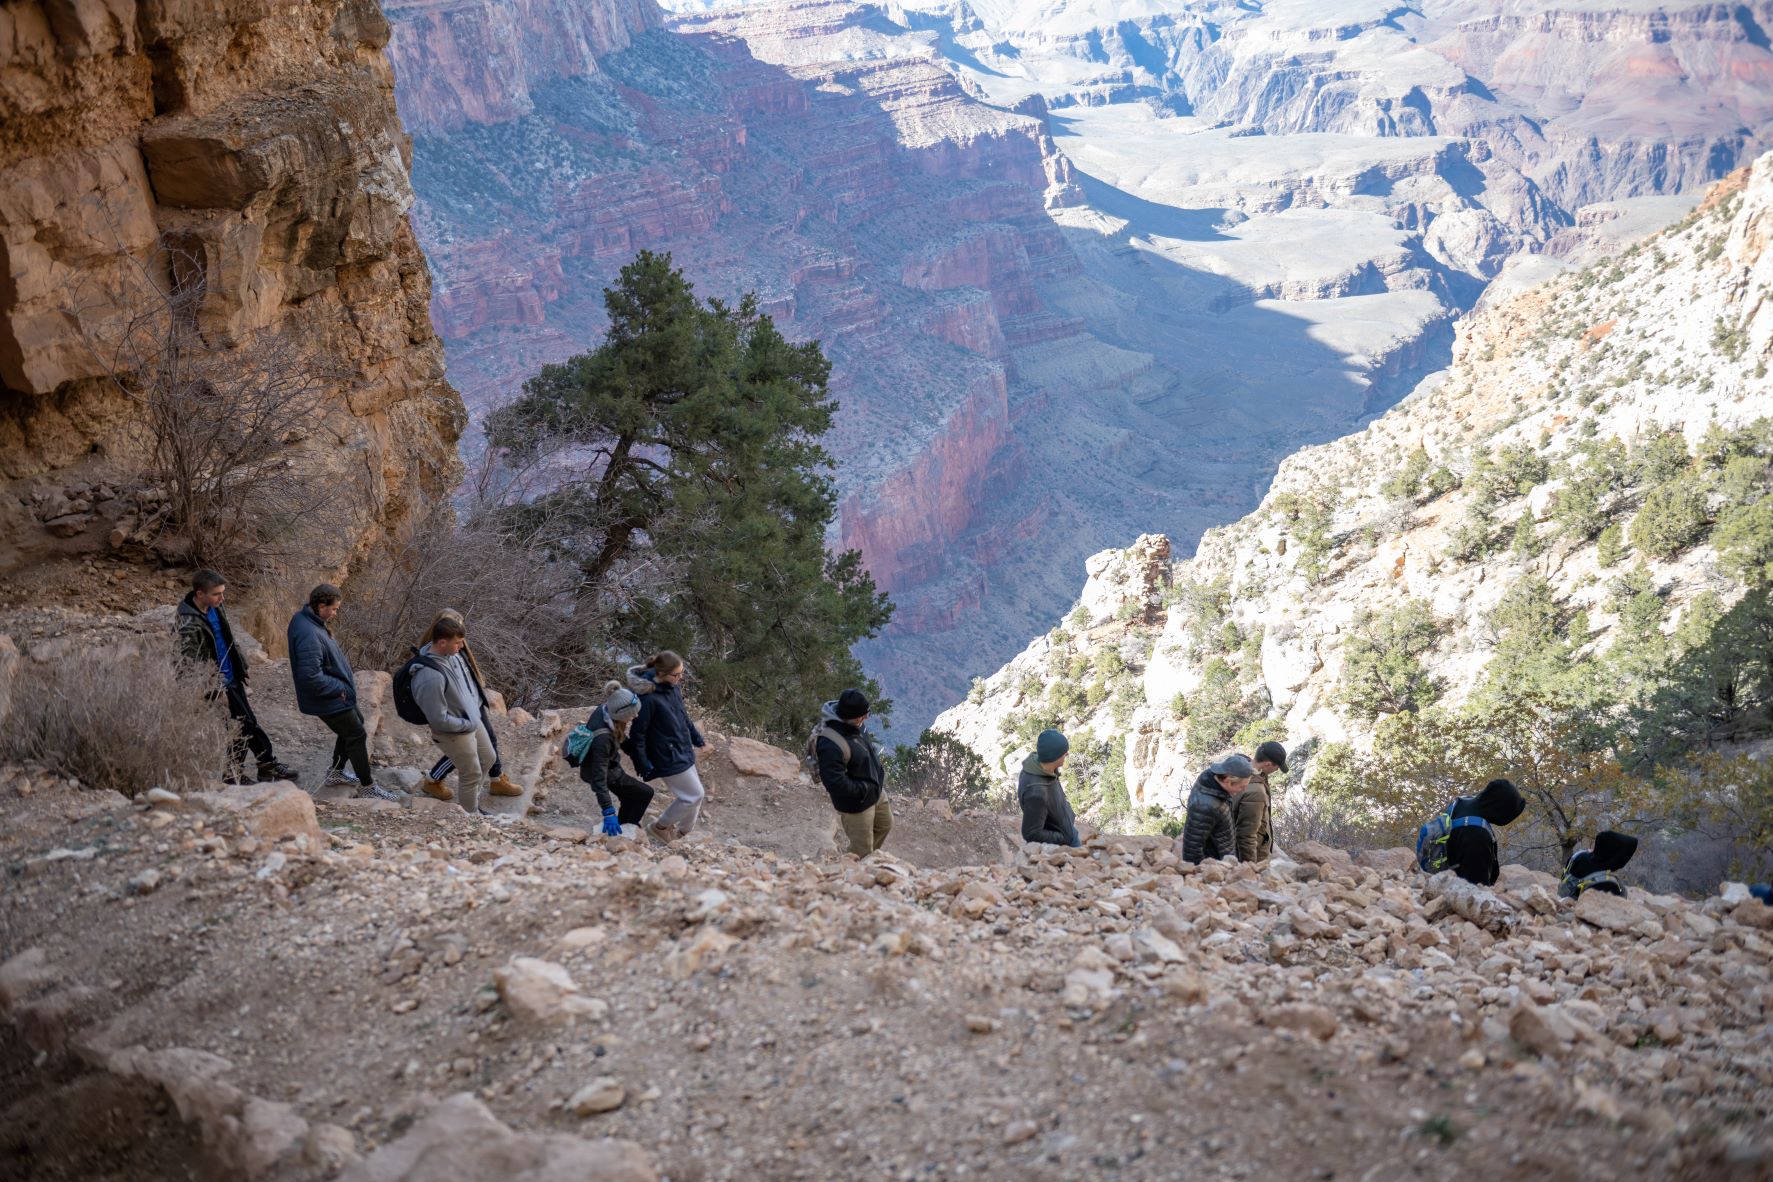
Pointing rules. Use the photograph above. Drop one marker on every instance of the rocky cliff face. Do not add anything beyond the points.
(1663, 340)
(256, 148)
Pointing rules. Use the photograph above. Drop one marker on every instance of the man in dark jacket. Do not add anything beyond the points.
(1210, 830)
(326, 689)
(1046, 813)
(206, 638)
(1472, 853)
(1594, 870)
(1253, 808)
(850, 769)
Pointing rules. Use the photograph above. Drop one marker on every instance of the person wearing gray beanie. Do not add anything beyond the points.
(622, 798)
(1210, 830)
(1046, 813)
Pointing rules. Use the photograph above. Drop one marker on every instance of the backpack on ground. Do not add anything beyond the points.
(405, 704)
(1571, 887)
(578, 743)
(809, 755)
(1431, 839)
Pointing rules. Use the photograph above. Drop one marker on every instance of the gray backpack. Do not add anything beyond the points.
(809, 755)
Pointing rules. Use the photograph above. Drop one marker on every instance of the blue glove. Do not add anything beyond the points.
(611, 826)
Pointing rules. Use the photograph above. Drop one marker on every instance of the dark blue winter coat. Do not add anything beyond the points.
(661, 735)
(323, 680)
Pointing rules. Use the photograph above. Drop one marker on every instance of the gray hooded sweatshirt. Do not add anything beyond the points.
(448, 699)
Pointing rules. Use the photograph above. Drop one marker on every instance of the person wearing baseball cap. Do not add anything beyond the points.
(1253, 808)
(1211, 828)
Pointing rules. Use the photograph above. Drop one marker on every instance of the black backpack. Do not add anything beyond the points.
(404, 703)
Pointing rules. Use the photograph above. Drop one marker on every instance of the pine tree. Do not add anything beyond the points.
(693, 434)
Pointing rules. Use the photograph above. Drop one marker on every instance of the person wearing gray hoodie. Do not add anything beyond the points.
(444, 689)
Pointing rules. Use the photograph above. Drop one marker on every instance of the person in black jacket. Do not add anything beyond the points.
(1472, 852)
(1593, 870)
(663, 743)
(206, 638)
(1210, 830)
(602, 766)
(1046, 811)
(326, 689)
(850, 769)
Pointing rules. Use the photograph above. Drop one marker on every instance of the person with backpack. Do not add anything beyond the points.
(600, 760)
(850, 768)
(1462, 838)
(662, 742)
(1252, 809)
(206, 638)
(444, 692)
(498, 783)
(1597, 869)
(1046, 813)
(1210, 829)
(326, 689)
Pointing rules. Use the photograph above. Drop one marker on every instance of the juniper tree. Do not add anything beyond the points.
(691, 436)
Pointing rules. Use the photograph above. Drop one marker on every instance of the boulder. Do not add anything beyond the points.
(1315, 853)
(1611, 912)
(751, 758)
(23, 975)
(543, 992)
(460, 1140)
(1396, 860)
(271, 812)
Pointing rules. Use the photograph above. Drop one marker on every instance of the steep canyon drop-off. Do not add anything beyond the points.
(1079, 277)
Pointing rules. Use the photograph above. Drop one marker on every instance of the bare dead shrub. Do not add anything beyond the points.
(123, 722)
(236, 432)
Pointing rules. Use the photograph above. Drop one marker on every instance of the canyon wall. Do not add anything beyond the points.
(253, 148)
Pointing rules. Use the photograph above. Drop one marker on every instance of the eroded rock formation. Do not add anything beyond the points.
(254, 150)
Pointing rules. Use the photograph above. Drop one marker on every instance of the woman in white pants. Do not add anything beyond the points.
(664, 743)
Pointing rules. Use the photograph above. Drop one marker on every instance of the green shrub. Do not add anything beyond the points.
(1524, 543)
(1407, 480)
(1673, 518)
(1610, 545)
(1660, 459)
(1381, 662)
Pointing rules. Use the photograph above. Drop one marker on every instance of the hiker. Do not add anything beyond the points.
(1763, 892)
(326, 688)
(662, 740)
(1596, 869)
(498, 783)
(1210, 830)
(1253, 809)
(850, 768)
(445, 691)
(1046, 813)
(601, 766)
(1462, 838)
(206, 637)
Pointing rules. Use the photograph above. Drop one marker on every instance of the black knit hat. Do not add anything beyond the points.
(1274, 753)
(852, 704)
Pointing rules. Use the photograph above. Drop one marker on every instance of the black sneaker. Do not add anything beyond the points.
(376, 792)
(278, 771)
(239, 778)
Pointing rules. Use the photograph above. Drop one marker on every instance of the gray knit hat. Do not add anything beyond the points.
(1237, 767)
(623, 703)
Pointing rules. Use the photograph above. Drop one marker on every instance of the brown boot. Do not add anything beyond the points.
(436, 788)
(664, 833)
(504, 786)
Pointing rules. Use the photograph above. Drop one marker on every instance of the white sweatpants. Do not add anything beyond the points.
(686, 800)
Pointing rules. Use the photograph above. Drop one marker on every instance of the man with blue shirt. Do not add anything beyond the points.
(205, 638)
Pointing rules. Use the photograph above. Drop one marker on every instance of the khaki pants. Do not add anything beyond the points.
(473, 755)
(868, 829)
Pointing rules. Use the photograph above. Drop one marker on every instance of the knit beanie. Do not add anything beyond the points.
(621, 702)
(1050, 746)
(851, 705)
(1274, 753)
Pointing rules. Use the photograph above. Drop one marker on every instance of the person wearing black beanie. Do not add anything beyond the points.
(850, 768)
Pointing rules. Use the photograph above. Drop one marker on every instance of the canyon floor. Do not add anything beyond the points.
(252, 982)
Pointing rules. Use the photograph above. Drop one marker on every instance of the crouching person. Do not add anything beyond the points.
(1046, 813)
(444, 690)
(850, 768)
(602, 766)
(1597, 869)
(1463, 837)
(1210, 830)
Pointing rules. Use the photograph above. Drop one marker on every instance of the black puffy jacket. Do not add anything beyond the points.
(1211, 828)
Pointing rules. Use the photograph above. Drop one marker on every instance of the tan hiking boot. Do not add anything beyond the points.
(505, 786)
(436, 788)
(663, 832)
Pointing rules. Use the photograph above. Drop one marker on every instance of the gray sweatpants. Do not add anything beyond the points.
(686, 800)
(472, 753)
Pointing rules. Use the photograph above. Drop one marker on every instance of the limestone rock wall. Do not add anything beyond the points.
(256, 145)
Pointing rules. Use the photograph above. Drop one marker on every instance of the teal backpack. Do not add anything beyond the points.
(578, 743)
(1431, 839)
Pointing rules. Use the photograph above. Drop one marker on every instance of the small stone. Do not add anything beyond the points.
(980, 1024)
(162, 796)
(603, 1094)
(406, 1005)
(543, 992)
(1019, 1131)
(144, 883)
(1313, 1020)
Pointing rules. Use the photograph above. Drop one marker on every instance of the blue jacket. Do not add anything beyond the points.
(324, 683)
(661, 735)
